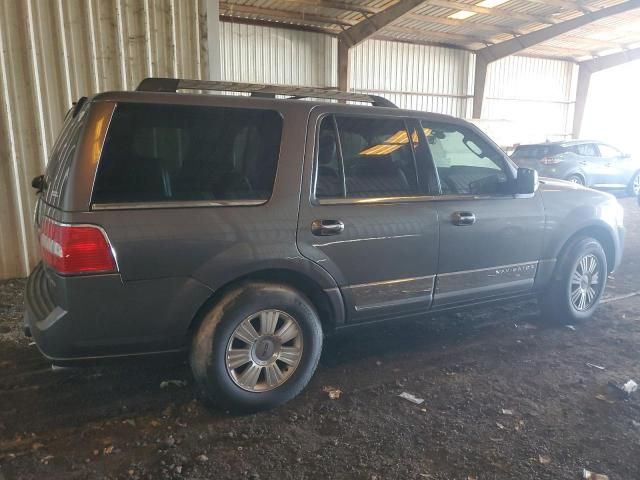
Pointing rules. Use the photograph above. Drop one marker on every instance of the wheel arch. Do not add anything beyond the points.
(602, 234)
(328, 302)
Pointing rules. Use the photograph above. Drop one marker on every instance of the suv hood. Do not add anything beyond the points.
(547, 183)
(555, 185)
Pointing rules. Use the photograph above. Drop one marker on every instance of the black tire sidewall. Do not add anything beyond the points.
(576, 176)
(216, 381)
(630, 191)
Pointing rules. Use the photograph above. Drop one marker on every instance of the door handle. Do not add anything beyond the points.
(323, 228)
(464, 218)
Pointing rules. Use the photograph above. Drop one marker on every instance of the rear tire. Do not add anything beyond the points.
(577, 284)
(257, 348)
(577, 179)
(634, 186)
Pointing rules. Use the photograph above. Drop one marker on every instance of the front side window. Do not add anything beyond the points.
(156, 153)
(465, 162)
(365, 157)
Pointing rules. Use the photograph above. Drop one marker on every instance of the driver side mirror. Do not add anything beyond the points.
(526, 181)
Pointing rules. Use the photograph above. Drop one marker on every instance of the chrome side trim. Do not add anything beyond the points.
(373, 200)
(392, 292)
(516, 274)
(186, 204)
(408, 199)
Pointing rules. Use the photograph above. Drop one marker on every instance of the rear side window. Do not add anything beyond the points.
(584, 149)
(156, 153)
(62, 155)
(365, 157)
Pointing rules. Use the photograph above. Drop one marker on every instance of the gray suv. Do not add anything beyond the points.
(243, 229)
(593, 164)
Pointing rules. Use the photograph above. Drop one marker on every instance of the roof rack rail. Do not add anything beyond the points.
(156, 84)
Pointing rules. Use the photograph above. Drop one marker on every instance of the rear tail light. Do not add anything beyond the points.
(75, 249)
(550, 160)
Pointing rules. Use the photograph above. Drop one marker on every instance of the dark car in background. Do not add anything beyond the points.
(589, 163)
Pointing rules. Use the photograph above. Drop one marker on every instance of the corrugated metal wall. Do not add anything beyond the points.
(54, 51)
(412, 76)
(258, 54)
(536, 95)
(418, 77)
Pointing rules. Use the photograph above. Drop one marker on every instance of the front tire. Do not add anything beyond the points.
(578, 282)
(634, 186)
(257, 348)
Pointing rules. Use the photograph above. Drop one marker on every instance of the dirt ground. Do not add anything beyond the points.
(506, 397)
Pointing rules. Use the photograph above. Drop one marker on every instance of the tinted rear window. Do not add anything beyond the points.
(156, 153)
(537, 151)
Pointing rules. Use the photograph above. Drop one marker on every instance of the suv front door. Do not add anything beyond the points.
(490, 239)
(619, 167)
(364, 214)
(589, 161)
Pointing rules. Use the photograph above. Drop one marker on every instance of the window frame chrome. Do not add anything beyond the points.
(176, 204)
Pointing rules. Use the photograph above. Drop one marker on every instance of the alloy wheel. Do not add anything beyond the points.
(586, 283)
(264, 350)
(576, 179)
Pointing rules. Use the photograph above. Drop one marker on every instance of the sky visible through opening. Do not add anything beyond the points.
(612, 113)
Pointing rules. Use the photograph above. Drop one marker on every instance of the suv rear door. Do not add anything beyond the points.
(365, 214)
(490, 239)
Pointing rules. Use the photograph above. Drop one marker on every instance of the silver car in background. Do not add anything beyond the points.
(588, 163)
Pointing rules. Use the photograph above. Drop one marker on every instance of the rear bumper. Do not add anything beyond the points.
(92, 317)
(40, 311)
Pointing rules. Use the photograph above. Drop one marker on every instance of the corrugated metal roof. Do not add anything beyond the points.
(431, 22)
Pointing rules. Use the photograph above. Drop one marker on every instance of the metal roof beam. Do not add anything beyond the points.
(372, 24)
(350, 37)
(582, 91)
(613, 60)
(336, 5)
(229, 9)
(489, 54)
(515, 45)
